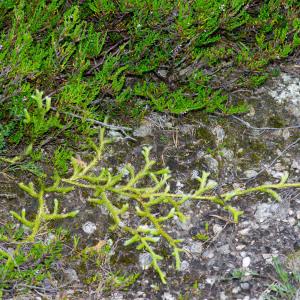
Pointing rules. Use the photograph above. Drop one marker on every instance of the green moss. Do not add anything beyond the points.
(206, 136)
(258, 147)
(276, 121)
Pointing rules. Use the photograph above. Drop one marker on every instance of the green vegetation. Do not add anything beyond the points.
(286, 285)
(125, 57)
(141, 193)
(32, 263)
(122, 58)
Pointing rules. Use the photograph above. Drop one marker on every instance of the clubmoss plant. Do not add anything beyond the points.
(141, 193)
(41, 217)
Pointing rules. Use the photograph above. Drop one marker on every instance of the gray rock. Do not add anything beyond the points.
(227, 154)
(162, 72)
(236, 290)
(296, 164)
(89, 227)
(143, 131)
(246, 262)
(211, 280)
(115, 135)
(145, 260)
(217, 228)
(211, 163)
(292, 221)
(265, 211)
(225, 249)
(219, 132)
(168, 296)
(208, 254)
(245, 286)
(223, 296)
(250, 173)
(196, 248)
(245, 231)
(116, 296)
(185, 266)
(240, 247)
(186, 71)
(287, 91)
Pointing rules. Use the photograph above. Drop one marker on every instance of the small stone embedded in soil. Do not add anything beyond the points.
(240, 247)
(236, 290)
(145, 260)
(250, 173)
(143, 131)
(245, 231)
(168, 296)
(185, 265)
(196, 248)
(211, 163)
(292, 221)
(227, 154)
(210, 280)
(285, 134)
(224, 249)
(219, 132)
(162, 72)
(208, 254)
(243, 254)
(223, 296)
(246, 262)
(89, 227)
(194, 174)
(115, 135)
(296, 164)
(116, 296)
(267, 211)
(217, 228)
(245, 286)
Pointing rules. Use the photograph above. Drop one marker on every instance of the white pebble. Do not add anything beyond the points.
(246, 262)
(89, 227)
(217, 228)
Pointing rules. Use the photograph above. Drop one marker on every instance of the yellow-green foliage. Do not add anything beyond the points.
(142, 193)
(86, 52)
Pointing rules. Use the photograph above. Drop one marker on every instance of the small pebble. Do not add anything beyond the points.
(208, 254)
(292, 221)
(240, 247)
(217, 228)
(145, 260)
(197, 248)
(210, 280)
(250, 173)
(243, 254)
(244, 231)
(89, 227)
(245, 286)
(246, 262)
(167, 296)
(223, 296)
(185, 265)
(236, 290)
